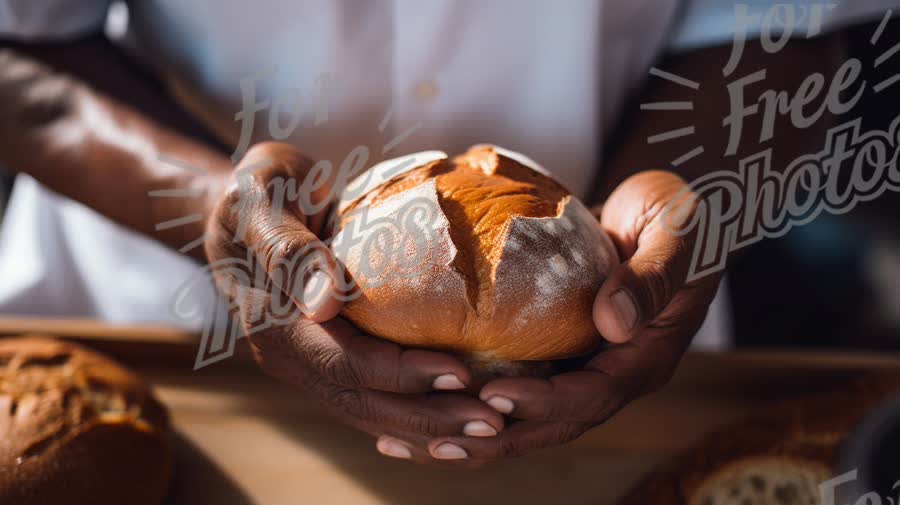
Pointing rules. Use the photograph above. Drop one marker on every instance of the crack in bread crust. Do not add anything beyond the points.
(520, 260)
(480, 195)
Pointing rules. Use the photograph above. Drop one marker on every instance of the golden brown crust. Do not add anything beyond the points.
(75, 425)
(805, 432)
(513, 261)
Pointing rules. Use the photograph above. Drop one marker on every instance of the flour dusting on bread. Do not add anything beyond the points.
(505, 267)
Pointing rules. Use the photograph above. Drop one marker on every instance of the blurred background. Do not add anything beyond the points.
(831, 284)
(837, 278)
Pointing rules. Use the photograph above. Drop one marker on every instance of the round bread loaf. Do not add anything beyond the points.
(484, 255)
(77, 428)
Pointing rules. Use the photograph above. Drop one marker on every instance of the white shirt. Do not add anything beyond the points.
(544, 78)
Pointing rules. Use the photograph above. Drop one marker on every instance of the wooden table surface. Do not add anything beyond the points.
(247, 439)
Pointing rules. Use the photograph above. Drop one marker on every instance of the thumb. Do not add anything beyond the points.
(645, 216)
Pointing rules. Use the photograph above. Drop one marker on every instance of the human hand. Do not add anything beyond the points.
(645, 309)
(371, 384)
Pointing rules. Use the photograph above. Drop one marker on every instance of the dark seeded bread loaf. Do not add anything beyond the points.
(77, 428)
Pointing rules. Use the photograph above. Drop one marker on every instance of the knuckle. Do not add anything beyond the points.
(288, 246)
(423, 424)
(279, 342)
(282, 246)
(273, 361)
(303, 329)
(231, 196)
(511, 448)
(585, 414)
(261, 342)
(273, 159)
(658, 284)
(334, 365)
(260, 149)
(273, 148)
(219, 246)
(597, 410)
(568, 432)
(348, 401)
(281, 253)
(577, 412)
(557, 410)
(317, 384)
(393, 371)
(577, 405)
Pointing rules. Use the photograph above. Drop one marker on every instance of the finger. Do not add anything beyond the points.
(613, 378)
(257, 215)
(586, 396)
(404, 415)
(645, 216)
(295, 263)
(609, 381)
(399, 448)
(394, 447)
(517, 440)
(337, 351)
(422, 417)
(299, 265)
(278, 169)
(647, 362)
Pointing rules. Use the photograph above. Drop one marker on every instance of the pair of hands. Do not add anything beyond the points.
(415, 401)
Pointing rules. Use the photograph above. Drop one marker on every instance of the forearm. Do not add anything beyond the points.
(116, 159)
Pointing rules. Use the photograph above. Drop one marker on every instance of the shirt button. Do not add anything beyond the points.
(426, 91)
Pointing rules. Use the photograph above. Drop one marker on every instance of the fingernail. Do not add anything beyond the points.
(479, 429)
(449, 451)
(625, 307)
(316, 290)
(393, 448)
(501, 404)
(447, 381)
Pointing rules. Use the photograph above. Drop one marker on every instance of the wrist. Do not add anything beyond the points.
(181, 205)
